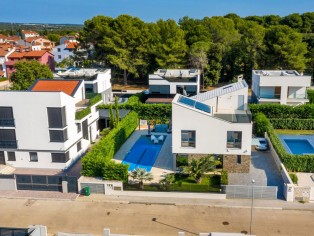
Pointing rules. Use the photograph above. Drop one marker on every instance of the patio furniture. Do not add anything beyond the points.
(161, 138)
(152, 137)
(155, 141)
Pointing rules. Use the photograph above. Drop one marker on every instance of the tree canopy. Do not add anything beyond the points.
(26, 72)
(235, 45)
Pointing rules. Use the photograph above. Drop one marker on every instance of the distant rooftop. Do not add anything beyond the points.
(221, 91)
(79, 73)
(177, 72)
(47, 85)
(276, 72)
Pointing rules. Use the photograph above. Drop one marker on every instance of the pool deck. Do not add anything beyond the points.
(164, 161)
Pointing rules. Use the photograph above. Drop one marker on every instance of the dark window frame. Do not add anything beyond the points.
(32, 155)
(188, 138)
(79, 146)
(234, 139)
(11, 156)
(60, 157)
(56, 117)
(58, 136)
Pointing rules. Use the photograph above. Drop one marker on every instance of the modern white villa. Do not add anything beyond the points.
(214, 122)
(50, 125)
(280, 86)
(173, 81)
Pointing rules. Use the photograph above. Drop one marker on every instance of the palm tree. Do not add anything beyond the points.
(141, 175)
(197, 167)
(169, 179)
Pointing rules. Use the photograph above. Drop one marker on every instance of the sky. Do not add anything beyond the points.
(77, 11)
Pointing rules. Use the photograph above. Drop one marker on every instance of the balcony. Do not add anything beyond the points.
(270, 96)
(7, 123)
(8, 144)
(235, 118)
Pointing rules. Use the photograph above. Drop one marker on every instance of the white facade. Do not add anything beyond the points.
(95, 80)
(280, 86)
(219, 122)
(166, 81)
(33, 133)
(61, 52)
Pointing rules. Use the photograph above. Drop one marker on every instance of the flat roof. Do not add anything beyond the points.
(276, 72)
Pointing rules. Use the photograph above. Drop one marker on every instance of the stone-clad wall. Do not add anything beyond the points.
(230, 163)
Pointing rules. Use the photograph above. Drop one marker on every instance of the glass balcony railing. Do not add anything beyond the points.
(8, 144)
(297, 96)
(7, 123)
(270, 96)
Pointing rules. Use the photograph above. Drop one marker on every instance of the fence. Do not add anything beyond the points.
(248, 192)
(199, 188)
(39, 183)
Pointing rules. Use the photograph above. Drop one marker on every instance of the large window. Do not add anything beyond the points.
(79, 146)
(56, 117)
(234, 139)
(187, 138)
(33, 156)
(58, 135)
(6, 117)
(60, 157)
(7, 138)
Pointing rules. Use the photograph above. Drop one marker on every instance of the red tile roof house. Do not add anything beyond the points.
(44, 57)
(5, 51)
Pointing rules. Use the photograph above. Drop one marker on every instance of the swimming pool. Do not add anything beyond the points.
(143, 154)
(160, 128)
(298, 144)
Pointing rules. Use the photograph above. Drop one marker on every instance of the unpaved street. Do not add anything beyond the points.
(142, 219)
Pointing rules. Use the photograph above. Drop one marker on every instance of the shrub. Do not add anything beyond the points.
(295, 124)
(115, 171)
(182, 161)
(262, 123)
(95, 99)
(81, 114)
(310, 95)
(294, 178)
(94, 161)
(224, 177)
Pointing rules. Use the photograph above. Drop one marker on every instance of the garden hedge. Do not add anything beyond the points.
(99, 158)
(294, 163)
(310, 95)
(296, 124)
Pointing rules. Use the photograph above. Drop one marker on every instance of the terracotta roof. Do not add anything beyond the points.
(13, 38)
(71, 46)
(29, 32)
(66, 86)
(38, 53)
(17, 55)
(159, 100)
(1, 73)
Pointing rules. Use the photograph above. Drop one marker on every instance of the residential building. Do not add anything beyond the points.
(45, 44)
(64, 51)
(5, 51)
(173, 81)
(68, 39)
(47, 126)
(44, 57)
(280, 86)
(29, 33)
(214, 122)
(95, 80)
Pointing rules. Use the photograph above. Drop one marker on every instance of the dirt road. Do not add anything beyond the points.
(142, 219)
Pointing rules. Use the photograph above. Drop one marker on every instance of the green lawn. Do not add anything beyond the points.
(290, 131)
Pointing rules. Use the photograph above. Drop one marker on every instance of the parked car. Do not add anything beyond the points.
(263, 145)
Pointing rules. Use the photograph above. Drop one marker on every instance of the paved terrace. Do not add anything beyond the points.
(164, 161)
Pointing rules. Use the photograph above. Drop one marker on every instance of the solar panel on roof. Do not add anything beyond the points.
(202, 107)
(187, 101)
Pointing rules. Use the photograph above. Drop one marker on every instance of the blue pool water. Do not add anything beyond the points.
(143, 154)
(298, 144)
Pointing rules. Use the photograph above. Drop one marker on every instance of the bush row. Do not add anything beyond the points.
(161, 112)
(310, 95)
(299, 163)
(97, 162)
(273, 111)
(296, 124)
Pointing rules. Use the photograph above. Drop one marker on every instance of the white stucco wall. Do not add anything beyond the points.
(64, 53)
(211, 133)
(32, 128)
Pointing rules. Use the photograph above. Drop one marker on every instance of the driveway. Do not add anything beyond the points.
(263, 170)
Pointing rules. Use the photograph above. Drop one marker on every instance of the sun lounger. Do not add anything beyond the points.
(161, 138)
(152, 137)
(155, 140)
